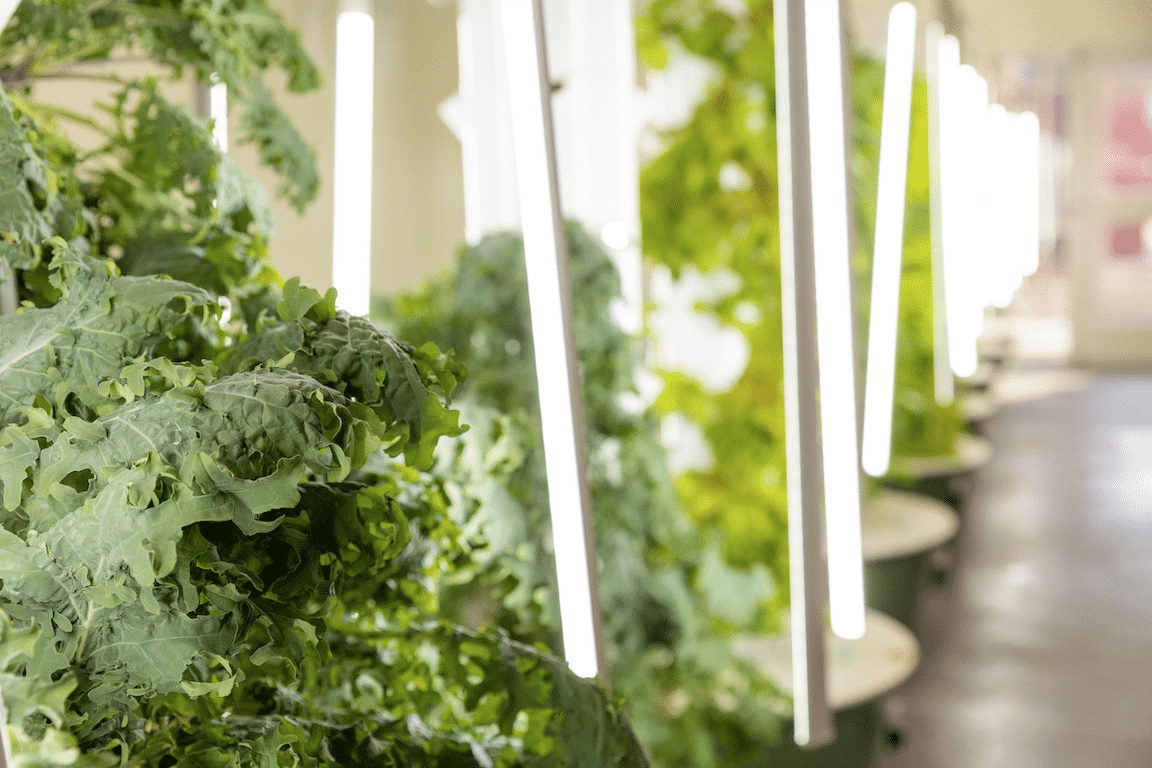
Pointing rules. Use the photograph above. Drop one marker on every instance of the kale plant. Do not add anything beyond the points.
(670, 602)
(191, 571)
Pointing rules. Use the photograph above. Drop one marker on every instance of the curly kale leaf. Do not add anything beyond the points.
(60, 355)
(403, 385)
(38, 199)
(97, 550)
(426, 695)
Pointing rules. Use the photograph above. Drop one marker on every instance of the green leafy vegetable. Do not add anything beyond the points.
(667, 594)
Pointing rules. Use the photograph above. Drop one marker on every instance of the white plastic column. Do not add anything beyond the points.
(943, 383)
(809, 593)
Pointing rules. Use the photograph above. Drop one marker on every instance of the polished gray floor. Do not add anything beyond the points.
(1037, 652)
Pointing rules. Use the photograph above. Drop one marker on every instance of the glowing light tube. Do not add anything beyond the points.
(942, 381)
(352, 174)
(971, 238)
(835, 345)
(956, 204)
(561, 408)
(888, 247)
(806, 567)
(1028, 125)
(218, 111)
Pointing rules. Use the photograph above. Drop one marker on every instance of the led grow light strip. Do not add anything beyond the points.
(888, 247)
(1028, 124)
(561, 408)
(352, 172)
(218, 111)
(967, 117)
(835, 345)
(812, 718)
(943, 385)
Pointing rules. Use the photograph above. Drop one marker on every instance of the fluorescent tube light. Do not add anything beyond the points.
(352, 172)
(834, 330)
(1028, 125)
(969, 114)
(956, 204)
(218, 111)
(561, 410)
(888, 248)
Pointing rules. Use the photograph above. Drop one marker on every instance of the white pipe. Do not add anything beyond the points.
(557, 372)
(352, 171)
(808, 571)
(943, 384)
(887, 252)
(218, 112)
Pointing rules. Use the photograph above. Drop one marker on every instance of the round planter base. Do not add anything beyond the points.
(859, 673)
(901, 531)
(942, 477)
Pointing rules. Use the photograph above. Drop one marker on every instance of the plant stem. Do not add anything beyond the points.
(55, 109)
(84, 637)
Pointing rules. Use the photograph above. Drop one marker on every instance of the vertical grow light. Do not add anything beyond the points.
(1028, 126)
(352, 174)
(889, 243)
(835, 345)
(561, 407)
(955, 121)
(218, 111)
(813, 721)
(966, 239)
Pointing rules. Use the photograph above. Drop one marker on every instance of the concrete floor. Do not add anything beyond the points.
(1037, 652)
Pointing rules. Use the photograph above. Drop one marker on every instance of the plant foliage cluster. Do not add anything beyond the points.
(709, 202)
(155, 193)
(670, 601)
(195, 569)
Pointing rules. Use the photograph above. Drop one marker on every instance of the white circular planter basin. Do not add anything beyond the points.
(998, 347)
(971, 453)
(977, 406)
(899, 523)
(858, 670)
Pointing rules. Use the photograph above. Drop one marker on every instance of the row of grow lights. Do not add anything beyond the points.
(988, 236)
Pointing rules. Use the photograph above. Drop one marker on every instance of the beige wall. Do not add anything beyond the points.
(418, 198)
(990, 28)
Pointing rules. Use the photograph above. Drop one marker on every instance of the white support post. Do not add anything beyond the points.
(557, 367)
(944, 384)
(813, 720)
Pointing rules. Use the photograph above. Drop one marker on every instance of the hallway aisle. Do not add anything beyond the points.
(1037, 653)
